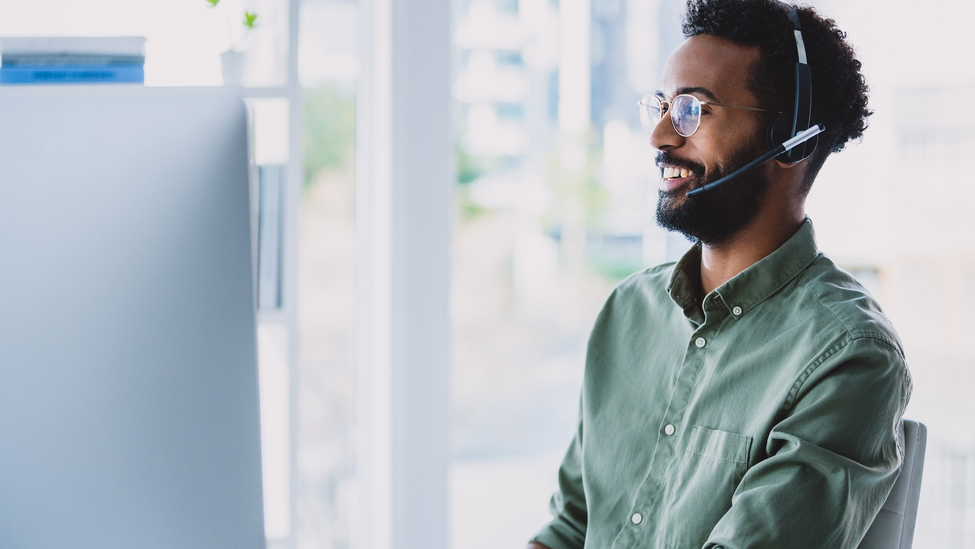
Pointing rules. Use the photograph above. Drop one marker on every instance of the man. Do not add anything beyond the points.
(751, 394)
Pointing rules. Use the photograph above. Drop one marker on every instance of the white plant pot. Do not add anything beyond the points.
(232, 64)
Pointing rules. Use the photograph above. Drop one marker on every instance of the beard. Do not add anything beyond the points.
(716, 216)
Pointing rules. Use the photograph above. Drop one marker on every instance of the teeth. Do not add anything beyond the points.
(674, 173)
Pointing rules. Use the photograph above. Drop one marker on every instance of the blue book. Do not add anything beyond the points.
(12, 59)
(71, 74)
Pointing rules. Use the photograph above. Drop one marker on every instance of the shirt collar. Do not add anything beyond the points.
(685, 281)
(753, 285)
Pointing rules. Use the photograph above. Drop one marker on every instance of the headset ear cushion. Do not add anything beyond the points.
(779, 131)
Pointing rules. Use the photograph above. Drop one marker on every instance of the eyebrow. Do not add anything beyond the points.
(706, 93)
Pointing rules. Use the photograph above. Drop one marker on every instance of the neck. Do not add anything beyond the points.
(720, 263)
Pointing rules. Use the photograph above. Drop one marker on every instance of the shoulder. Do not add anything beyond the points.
(649, 279)
(646, 288)
(863, 348)
(638, 304)
(845, 304)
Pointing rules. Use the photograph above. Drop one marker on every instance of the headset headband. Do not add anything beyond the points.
(794, 18)
(792, 124)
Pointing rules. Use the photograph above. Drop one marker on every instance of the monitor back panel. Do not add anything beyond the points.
(129, 409)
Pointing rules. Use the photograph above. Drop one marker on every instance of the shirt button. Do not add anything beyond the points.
(736, 311)
(637, 518)
(700, 342)
(670, 429)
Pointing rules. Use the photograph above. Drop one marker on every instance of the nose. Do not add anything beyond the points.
(665, 136)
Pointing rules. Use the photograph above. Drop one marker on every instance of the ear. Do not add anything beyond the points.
(792, 172)
(789, 165)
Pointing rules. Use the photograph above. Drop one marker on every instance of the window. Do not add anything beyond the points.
(556, 206)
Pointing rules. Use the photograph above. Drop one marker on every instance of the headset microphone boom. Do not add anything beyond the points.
(783, 148)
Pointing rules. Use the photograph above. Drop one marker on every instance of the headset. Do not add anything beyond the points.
(790, 136)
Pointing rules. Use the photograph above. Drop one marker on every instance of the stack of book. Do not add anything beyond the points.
(72, 60)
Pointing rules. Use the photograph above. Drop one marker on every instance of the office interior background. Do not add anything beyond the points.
(552, 205)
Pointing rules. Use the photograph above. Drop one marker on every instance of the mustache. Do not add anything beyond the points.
(667, 157)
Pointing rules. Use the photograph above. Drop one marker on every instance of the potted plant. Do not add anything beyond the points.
(232, 61)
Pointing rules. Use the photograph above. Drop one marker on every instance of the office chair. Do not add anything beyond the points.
(893, 528)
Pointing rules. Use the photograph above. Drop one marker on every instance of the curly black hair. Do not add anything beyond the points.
(839, 94)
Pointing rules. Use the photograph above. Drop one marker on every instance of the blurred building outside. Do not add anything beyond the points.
(929, 285)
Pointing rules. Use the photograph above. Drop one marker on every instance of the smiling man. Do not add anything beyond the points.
(749, 395)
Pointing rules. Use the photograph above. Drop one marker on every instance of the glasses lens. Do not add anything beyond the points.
(686, 113)
(649, 113)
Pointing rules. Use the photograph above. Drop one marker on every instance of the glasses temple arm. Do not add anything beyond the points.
(756, 109)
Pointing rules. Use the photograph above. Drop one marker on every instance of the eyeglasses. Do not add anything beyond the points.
(685, 112)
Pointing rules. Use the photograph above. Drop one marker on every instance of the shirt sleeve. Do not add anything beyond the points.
(832, 459)
(568, 529)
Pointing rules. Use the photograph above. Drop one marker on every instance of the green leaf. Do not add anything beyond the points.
(249, 18)
(213, 3)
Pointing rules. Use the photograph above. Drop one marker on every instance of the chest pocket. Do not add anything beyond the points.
(703, 483)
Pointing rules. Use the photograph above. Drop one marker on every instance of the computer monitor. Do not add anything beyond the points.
(129, 412)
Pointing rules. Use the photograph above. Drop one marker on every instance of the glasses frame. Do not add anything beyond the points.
(665, 108)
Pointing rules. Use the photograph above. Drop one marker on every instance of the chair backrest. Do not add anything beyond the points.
(894, 526)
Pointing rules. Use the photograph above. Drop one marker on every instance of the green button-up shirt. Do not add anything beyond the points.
(767, 416)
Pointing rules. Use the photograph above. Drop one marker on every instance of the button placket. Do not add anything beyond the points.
(642, 522)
